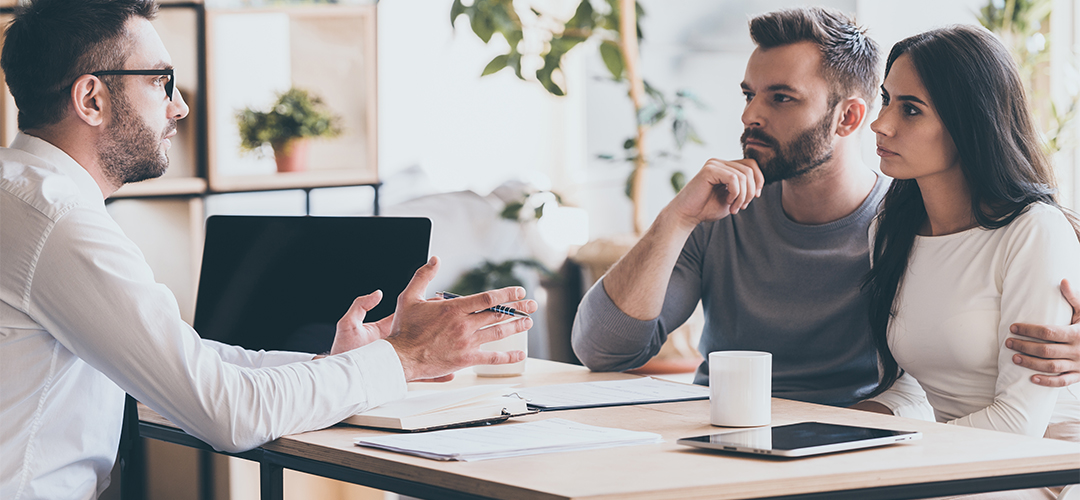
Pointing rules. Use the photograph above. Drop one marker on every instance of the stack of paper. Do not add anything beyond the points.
(509, 440)
(424, 410)
(611, 393)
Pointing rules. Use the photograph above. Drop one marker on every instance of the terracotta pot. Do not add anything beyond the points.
(291, 155)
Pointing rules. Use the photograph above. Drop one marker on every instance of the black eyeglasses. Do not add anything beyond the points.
(162, 72)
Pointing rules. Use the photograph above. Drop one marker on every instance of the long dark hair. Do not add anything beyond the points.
(976, 90)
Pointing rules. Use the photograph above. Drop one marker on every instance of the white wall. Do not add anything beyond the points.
(466, 132)
(703, 46)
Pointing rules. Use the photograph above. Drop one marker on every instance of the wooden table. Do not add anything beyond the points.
(947, 460)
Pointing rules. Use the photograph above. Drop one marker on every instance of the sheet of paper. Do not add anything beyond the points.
(508, 440)
(424, 401)
(610, 393)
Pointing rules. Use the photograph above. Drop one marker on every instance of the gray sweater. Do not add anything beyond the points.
(766, 284)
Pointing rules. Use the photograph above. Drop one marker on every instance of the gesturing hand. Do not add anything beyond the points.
(720, 188)
(435, 338)
(352, 332)
(1061, 356)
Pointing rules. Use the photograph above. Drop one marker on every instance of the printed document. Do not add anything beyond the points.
(611, 393)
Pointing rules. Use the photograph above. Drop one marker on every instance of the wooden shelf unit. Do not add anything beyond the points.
(329, 49)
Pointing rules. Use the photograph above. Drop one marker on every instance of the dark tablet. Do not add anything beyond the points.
(800, 440)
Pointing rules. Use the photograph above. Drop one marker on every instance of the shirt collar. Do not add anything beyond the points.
(58, 158)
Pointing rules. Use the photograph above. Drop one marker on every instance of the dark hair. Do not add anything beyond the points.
(50, 43)
(849, 58)
(976, 90)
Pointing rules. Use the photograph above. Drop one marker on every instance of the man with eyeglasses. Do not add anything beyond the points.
(82, 319)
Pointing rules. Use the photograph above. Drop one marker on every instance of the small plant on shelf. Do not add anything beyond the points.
(296, 117)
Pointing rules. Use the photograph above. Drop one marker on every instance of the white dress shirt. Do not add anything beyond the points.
(958, 298)
(82, 321)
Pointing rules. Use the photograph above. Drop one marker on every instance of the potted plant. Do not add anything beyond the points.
(296, 117)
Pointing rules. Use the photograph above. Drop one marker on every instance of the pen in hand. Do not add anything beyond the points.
(509, 311)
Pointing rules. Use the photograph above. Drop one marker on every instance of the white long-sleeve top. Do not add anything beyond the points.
(82, 321)
(954, 308)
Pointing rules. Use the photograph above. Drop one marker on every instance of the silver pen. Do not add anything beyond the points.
(509, 311)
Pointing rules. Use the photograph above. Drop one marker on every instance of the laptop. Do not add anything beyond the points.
(282, 283)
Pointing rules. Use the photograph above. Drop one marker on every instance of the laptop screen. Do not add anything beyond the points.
(282, 283)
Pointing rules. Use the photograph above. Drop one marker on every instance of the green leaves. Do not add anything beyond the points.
(559, 46)
(583, 18)
(678, 181)
(1019, 16)
(296, 113)
(613, 59)
(495, 65)
(456, 10)
(488, 17)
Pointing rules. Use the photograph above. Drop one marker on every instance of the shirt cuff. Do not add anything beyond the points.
(382, 378)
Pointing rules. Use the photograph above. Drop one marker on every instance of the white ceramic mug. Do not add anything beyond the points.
(515, 342)
(740, 388)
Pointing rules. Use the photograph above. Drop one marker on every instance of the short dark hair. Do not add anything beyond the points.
(50, 43)
(849, 58)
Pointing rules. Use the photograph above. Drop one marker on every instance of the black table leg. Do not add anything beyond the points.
(132, 455)
(271, 481)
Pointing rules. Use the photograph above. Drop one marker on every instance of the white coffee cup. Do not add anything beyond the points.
(515, 342)
(740, 388)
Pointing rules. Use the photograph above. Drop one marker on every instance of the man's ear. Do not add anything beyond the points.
(852, 114)
(89, 98)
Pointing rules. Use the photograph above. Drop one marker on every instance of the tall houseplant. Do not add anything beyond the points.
(617, 32)
(295, 118)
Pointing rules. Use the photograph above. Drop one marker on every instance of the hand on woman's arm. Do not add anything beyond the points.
(1059, 356)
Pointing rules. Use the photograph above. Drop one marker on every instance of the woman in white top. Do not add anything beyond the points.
(970, 238)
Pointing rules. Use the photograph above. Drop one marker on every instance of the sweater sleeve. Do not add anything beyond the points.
(907, 399)
(1042, 249)
(605, 338)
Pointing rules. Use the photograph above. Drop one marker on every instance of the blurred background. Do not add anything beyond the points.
(523, 186)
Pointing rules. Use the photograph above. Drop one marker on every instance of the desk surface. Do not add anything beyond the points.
(668, 470)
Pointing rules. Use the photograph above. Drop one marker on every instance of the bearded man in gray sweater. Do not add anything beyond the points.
(775, 245)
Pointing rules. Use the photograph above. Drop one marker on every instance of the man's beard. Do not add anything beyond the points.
(811, 149)
(129, 150)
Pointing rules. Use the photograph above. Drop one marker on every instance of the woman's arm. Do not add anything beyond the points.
(1059, 356)
(905, 398)
(1041, 248)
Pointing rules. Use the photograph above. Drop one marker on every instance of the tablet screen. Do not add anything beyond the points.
(799, 436)
(810, 434)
